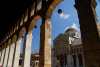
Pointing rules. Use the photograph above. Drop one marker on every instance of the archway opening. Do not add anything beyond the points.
(74, 60)
(36, 40)
(80, 60)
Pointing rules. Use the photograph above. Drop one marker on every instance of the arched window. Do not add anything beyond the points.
(57, 57)
(77, 50)
(74, 34)
(80, 49)
(74, 50)
(67, 49)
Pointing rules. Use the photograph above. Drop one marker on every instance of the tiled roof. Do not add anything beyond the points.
(77, 41)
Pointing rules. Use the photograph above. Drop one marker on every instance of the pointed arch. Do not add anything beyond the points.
(31, 25)
(52, 7)
(14, 37)
(21, 33)
(9, 41)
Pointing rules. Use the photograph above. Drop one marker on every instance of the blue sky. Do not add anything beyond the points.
(59, 22)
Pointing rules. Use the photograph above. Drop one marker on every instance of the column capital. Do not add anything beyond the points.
(12, 45)
(18, 42)
(46, 25)
(29, 37)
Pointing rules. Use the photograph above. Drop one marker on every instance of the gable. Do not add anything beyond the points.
(60, 36)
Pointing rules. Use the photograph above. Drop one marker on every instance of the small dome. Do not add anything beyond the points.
(70, 29)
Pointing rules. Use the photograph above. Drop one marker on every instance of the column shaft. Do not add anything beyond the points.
(89, 31)
(83, 62)
(27, 51)
(10, 56)
(77, 62)
(69, 60)
(45, 45)
(3, 51)
(0, 55)
(16, 54)
(72, 63)
(6, 57)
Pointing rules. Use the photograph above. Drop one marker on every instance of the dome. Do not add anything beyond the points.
(70, 29)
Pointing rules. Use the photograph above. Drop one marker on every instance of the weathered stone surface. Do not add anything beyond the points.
(16, 54)
(11, 56)
(45, 45)
(89, 31)
(6, 57)
(27, 51)
(2, 57)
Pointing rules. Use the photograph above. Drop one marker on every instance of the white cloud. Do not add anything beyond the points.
(73, 26)
(64, 16)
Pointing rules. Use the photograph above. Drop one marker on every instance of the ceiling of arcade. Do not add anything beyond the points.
(16, 15)
(10, 11)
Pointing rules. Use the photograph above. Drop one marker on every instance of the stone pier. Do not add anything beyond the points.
(45, 45)
(27, 51)
(11, 55)
(17, 54)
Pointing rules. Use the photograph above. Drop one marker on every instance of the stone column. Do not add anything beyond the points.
(45, 45)
(72, 63)
(89, 31)
(83, 62)
(0, 55)
(3, 51)
(11, 55)
(69, 60)
(77, 62)
(27, 51)
(16, 54)
(6, 56)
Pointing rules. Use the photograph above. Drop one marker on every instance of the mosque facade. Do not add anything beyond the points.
(68, 49)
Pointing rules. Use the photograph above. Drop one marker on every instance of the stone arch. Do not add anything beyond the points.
(21, 33)
(14, 37)
(52, 7)
(80, 59)
(9, 41)
(5, 44)
(31, 25)
(74, 60)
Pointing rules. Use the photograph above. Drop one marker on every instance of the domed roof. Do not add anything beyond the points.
(70, 29)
